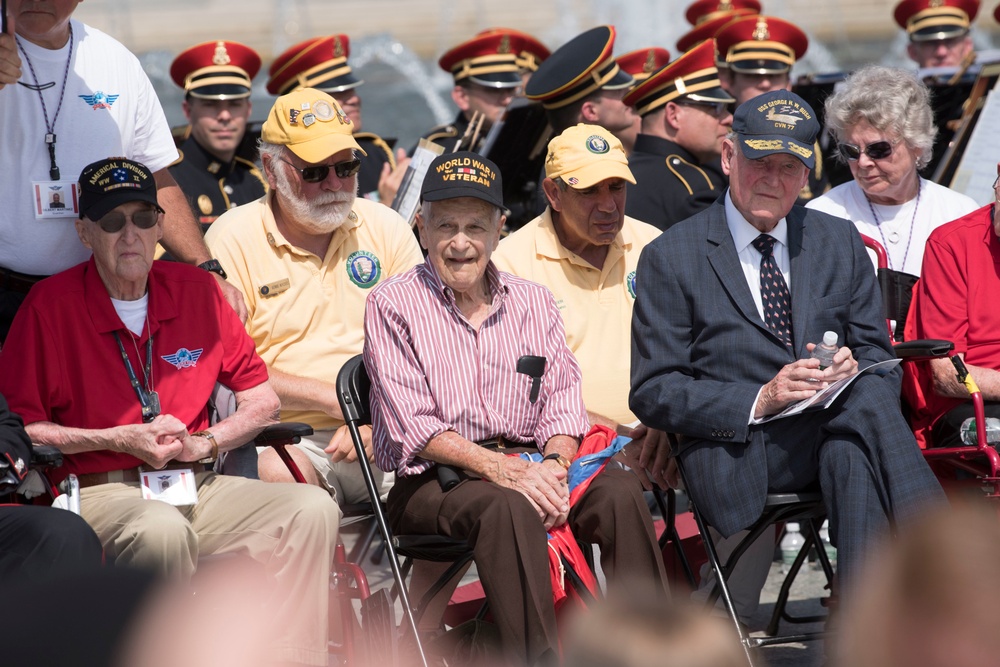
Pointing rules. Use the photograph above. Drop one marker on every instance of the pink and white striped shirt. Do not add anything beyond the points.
(432, 372)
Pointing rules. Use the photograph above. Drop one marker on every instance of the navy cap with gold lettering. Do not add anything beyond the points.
(320, 63)
(778, 121)
(487, 59)
(578, 68)
(216, 70)
(463, 174)
(929, 20)
(761, 45)
(693, 76)
(107, 184)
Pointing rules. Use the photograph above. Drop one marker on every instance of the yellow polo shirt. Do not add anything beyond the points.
(307, 312)
(596, 304)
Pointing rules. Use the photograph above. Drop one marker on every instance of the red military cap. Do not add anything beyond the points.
(487, 59)
(708, 29)
(761, 45)
(319, 63)
(216, 70)
(643, 62)
(579, 67)
(693, 76)
(927, 20)
(706, 10)
(531, 53)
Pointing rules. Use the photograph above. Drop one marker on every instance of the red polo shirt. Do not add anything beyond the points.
(956, 299)
(61, 362)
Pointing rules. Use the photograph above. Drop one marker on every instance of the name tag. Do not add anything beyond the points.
(175, 487)
(55, 199)
(274, 288)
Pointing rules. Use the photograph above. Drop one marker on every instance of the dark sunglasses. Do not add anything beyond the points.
(319, 173)
(878, 150)
(717, 109)
(115, 221)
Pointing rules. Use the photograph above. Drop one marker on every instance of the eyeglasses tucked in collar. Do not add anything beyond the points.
(877, 150)
(319, 172)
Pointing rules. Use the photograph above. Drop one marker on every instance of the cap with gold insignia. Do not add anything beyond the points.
(320, 63)
(463, 174)
(584, 155)
(217, 70)
(578, 68)
(761, 45)
(777, 122)
(530, 53)
(643, 62)
(107, 184)
(487, 59)
(311, 124)
(710, 28)
(707, 10)
(929, 20)
(693, 76)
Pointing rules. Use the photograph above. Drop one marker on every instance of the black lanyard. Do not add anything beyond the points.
(149, 401)
(50, 127)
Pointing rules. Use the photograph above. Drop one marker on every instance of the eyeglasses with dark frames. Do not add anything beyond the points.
(717, 109)
(877, 150)
(319, 172)
(115, 221)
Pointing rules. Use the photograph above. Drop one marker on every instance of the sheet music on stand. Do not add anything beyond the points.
(408, 196)
(977, 168)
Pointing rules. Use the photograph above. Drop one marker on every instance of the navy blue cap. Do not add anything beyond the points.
(777, 122)
(463, 174)
(578, 68)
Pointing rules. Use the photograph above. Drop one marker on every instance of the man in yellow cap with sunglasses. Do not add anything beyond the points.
(305, 258)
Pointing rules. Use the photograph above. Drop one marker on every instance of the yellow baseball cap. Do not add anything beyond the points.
(585, 155)
(311, 124)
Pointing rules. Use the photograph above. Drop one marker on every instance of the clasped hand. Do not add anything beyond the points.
(543, 484)
(162, 440)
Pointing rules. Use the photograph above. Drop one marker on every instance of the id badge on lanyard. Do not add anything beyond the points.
(55, 199)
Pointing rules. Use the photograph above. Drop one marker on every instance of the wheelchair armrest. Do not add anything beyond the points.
(916, 349)
(47, 456)
(283, 433)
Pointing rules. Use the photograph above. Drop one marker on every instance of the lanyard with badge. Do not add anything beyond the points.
(149, 400)
(54, 198)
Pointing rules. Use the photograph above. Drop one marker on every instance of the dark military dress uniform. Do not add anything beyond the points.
(211, 186)
(670, 185)
(448, 135)
(377, 153)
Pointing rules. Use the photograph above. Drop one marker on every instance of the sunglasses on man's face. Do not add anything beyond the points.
(878, 150)
(319, 173)
(115, 221)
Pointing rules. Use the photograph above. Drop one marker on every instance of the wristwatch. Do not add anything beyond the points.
(211, 439)
(558, 458)
(213, 266)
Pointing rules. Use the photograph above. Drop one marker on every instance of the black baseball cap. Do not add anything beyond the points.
(463, 174)
(777, 122)
(107, 184)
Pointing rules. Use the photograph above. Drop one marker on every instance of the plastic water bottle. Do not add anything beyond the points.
(825, 350)
(824, 536)
(791, 545)
(969, 436)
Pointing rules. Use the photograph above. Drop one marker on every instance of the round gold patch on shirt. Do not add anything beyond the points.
(204, 204)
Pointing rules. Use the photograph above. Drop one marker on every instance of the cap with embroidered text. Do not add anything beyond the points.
(463, 174)
(311, 124)
(107, 184)
(217, 70)
(777, 122)
(585, 155)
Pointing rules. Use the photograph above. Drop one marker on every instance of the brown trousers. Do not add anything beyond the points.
(510, 545)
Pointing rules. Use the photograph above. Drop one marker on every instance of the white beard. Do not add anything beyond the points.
(323, 213)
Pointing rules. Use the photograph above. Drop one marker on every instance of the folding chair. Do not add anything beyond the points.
(805, 507)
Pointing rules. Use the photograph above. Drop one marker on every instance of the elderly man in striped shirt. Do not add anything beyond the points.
(469, 364)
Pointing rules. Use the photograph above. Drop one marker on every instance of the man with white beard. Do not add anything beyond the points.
(305, 257)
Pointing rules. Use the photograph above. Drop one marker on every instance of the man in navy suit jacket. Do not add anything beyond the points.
(706, 366)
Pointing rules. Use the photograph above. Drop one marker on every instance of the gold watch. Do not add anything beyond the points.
(558, 458)
(211, 439)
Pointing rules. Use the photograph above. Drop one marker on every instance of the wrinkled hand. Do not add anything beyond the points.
(196, 448)
(649, 451)
(234, 298)
(390, 179)
(10, 61)
(544, 487)
(155, 443)
(341, 447)
(794, 382)
(844, 365)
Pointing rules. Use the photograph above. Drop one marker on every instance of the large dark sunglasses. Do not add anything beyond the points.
(878, 150)
(115, 221)
(319, 173)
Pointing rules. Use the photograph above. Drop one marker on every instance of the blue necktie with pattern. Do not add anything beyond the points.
(774, 291)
